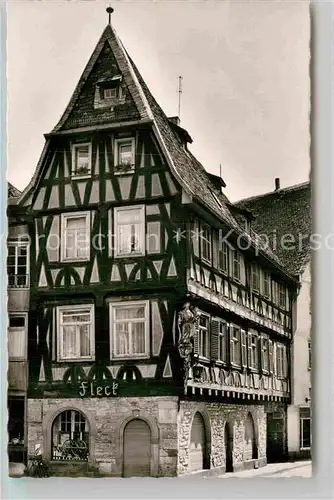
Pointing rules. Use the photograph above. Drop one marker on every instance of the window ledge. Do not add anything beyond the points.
(76, 360)
(130, 357)
(79, 176)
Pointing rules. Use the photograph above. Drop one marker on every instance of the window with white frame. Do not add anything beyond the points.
(17, 336)
(76, 332)
(305, 428)
(75, 236)
(223, 260)
(235, 341)
(18, 263)
(266, 284)
(129, 329)
(253, 350)
(236, 265)
(206, 242)
(203, 336)
(222, 341)
(81, 160)
(130, 230)
(124, 159)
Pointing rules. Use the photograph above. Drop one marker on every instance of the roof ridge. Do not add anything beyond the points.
(281, 190)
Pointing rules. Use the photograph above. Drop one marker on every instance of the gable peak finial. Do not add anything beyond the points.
(110, 10)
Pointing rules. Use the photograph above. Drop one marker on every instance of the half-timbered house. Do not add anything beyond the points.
(159, 329)
(17, 306)
(287, 211)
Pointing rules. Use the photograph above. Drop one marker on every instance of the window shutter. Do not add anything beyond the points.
(249, 349)
(244, 348)
(271, 356)
(214, 339)
(285, 361)
(215, 249)
(261, 353)
(230, 333)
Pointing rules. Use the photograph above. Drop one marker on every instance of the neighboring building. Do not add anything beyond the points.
(18, 304)
(155, 349)
(288, 212)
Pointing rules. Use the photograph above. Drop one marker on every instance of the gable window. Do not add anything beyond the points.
(235, 346)
(70, 437)
(205, 242)
(76, 332)
(81, 160)
(124, 155)
(266, 284)
(223, 257)
(203, 336)
(130, 230)
(236, 265)
(222, 342)
(75, 236)
(255, 278)
(252, 350)
(305, 428)
(129, 329)
(109, 93)
(17, 336)
(17, 264)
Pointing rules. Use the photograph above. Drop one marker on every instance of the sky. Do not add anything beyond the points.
(245, 69)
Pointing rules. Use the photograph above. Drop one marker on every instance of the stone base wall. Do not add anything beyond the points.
(216, 416)
(107, 418)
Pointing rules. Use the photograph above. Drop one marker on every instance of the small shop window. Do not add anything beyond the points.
(70, 437)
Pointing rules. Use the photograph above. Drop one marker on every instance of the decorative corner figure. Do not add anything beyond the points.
(187, 325)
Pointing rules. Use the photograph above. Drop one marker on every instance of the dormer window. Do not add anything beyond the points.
(109, 92)
(124, 155)
(81, 160)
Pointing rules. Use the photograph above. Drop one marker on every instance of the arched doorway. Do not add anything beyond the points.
(228, 441)
(137, 449)
(250, 439)
(198, 444)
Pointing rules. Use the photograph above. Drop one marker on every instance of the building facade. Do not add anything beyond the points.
(159, 332)
(18, 305)
(288, 212)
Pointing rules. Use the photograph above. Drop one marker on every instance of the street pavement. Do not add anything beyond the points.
(286, 469)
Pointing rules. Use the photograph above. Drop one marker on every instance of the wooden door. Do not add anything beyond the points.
(197, 444)
(137, 449)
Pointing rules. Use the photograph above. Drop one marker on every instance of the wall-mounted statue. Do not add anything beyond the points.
(187, 325)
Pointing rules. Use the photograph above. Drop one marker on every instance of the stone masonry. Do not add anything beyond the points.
(215, 416)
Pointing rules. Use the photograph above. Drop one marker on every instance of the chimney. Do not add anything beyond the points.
(277, 184)
(175, 120)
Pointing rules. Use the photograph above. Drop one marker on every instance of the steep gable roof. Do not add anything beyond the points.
(285, 212)
(109, 59)
(12, 191)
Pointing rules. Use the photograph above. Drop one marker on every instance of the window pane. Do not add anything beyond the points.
(138, 338)
(125, 154)
(69, 341)
(153, 237)
(122, 339)
(130, 312)
(84, 340)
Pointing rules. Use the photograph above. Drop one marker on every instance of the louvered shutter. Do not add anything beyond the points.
(271, 356)
(244, 348)
(261, 352)
(230, 336)
(285, 361)
(249, 338)
(214, 339)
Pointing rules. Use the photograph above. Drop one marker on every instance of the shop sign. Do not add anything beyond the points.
(92, 390)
